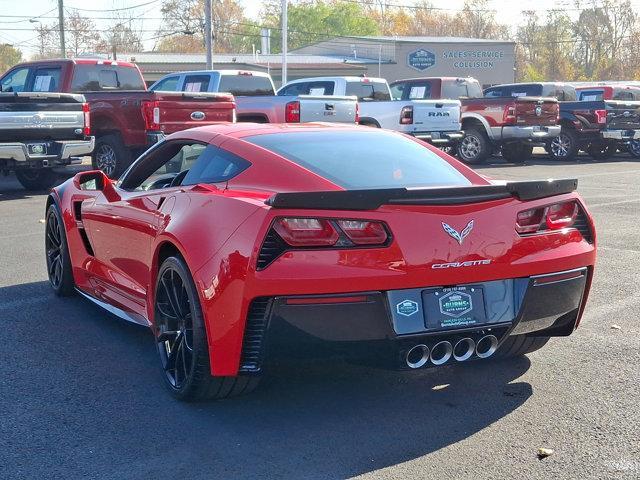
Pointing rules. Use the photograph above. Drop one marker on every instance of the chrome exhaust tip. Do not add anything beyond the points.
(463, 349)
(486, 346)
(417, 356)
(441, 352)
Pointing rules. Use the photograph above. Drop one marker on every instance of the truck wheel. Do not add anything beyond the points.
(474, 148)
(182, 341)
(601, 151)
(516, 152)
(564, 146)
(37, 178)
(518, 345)
(634, 148)
(110, 155)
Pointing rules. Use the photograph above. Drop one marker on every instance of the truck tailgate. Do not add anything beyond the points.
(536, 111)
(181, 110)
(623, 115)
(322, 108)
(31, 115)
(436, 115)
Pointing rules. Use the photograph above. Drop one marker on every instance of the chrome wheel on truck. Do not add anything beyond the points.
(110, 155)
(474, 147)
(564, 146)
(105, 159)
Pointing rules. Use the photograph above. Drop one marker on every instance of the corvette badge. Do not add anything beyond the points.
(459, 237)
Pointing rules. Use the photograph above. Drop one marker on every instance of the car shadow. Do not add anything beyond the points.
(83, 393)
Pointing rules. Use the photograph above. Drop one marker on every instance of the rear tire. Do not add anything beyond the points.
(182, 341)
(601, 151)
(57, 254)
(518, 345)
(634, 148)
(474, 148)
(517, 152)
(110, 155)
(37, 178)
(564, 146)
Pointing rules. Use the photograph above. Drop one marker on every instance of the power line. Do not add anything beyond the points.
(114, 9)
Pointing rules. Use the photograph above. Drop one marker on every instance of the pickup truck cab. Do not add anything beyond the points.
(256, 99)
(431, 121)
(596, 126)
(512, 125)
(126, 118)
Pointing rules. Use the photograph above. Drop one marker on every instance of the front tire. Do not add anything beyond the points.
(37, 178)
(181, 340)
(474, 148)
(518, 345)
(564, 146)
(57, 254)
(110, 155)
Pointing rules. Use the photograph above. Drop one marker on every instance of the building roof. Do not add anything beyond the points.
(419, 39)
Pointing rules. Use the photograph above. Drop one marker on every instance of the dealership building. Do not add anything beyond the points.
(393, 58)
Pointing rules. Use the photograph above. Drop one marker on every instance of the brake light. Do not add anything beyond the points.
(509, 115)
(306, 232)
(151, 114)
(292, 112)
(357, 113)
(406, 115)
(551, 217)
(86, 130)
(364, 232)
(601, 116)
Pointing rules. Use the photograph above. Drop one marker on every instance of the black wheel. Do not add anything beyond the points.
(517, 152)
(601, 151)
(110, 155)
(182, 341)
(37, 178)
(474, 148)
(57, 254)
(518, 345)
(634, 148)
(564, 146)
(450, 149)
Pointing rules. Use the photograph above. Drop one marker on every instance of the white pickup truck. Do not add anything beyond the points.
(434, 121)
(256, 100)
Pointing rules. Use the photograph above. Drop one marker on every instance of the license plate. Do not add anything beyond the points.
(454, 307)
(37, 148)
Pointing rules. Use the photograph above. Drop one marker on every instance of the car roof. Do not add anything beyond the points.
(246, 129)
(254, 73)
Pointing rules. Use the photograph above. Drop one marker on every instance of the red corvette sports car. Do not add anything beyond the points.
(230, 241)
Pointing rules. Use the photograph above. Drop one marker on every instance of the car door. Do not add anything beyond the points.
(121, 230)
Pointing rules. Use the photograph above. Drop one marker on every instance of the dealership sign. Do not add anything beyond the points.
(421, 59)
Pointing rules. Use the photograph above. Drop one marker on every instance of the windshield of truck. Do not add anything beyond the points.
(96, 77)
(368, 91)
(524, 90)
(244, 85)
(361, 159)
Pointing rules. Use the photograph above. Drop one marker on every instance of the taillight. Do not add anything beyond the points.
(292, 112)
(601, 116)
(551, 217)
(364, 232)
(509, 115)
(151, 114)
(306, 232)
(86, 130)
(357, 113)
(234, 114)
(406, 115)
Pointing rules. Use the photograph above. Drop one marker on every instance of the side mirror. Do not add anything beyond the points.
(96, 180)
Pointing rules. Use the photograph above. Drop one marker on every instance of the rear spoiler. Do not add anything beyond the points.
(372, 199)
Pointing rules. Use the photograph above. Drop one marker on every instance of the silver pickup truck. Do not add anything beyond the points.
(436, 122)
(256, 100)
(39, 131)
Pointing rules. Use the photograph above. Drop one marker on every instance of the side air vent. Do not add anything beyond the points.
(77, 210)
(582, 225)
(254, 335)
(272, 247)
(85, 241)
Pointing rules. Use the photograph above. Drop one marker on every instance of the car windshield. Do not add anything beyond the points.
(362, 159)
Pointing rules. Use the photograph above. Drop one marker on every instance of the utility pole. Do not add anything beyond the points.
(285, 23)
(63, 49)
(208, 34)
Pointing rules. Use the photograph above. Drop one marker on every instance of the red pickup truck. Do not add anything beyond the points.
(126, 118)
(512, 124)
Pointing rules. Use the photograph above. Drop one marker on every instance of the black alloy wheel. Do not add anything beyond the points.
(57, 254)
(634, 148)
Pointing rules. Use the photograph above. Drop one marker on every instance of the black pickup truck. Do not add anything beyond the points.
(39, 131)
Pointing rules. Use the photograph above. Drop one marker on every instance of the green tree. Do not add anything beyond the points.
(9, 56)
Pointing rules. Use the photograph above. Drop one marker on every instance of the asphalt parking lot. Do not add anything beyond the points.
(81, 393)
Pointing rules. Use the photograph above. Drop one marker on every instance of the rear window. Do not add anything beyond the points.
(363, 159)
(525, 90)
(93, 78)
(591, 95)
(368, 91)
(245, 85)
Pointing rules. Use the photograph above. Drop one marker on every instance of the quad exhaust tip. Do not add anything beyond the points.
(486, 346)
(417, 356)
(441, 352)
(463, 349)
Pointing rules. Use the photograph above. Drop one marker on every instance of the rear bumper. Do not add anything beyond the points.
(154, 137)
(392, 321)
(439, 137)
(531, 133)
(58, 152)
(622, 135)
